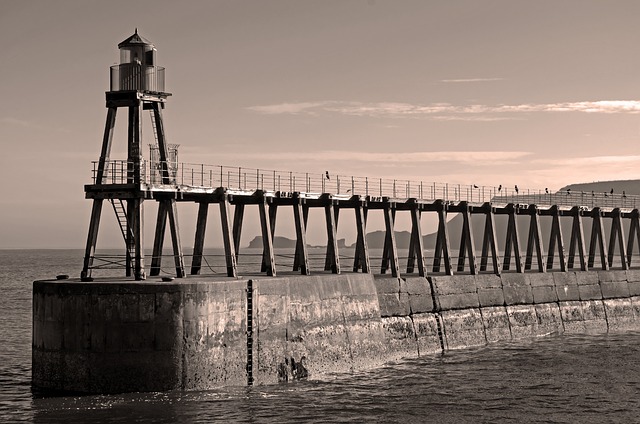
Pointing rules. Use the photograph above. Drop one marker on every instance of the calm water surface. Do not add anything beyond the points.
(559, 379)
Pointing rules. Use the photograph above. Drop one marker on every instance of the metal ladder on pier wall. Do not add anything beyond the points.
(121, 214)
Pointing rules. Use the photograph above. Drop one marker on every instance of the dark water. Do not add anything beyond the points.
(559, 379)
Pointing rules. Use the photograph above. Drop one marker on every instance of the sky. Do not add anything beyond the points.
(534, 93)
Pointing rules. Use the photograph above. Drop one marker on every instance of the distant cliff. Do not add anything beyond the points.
(280, 242)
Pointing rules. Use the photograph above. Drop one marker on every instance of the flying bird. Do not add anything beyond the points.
(475, 186)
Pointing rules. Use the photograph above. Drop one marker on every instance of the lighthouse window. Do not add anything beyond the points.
(149, 56)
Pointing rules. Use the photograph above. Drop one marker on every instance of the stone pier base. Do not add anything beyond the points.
(197, 333)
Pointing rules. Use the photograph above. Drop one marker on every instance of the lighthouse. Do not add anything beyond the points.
(137, 85)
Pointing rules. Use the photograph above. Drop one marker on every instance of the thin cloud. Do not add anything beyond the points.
(592, 161)
(15, 121)
(289, 108)
(471, 80)
(468, 158)
(447, 111)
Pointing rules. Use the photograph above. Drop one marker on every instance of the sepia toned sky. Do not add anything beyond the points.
(535, 93)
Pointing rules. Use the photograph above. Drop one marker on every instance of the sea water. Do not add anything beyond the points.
(554, 379)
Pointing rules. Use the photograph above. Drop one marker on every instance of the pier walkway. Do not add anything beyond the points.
(170, 182)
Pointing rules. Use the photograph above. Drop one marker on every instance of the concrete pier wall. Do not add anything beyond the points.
(195, 334)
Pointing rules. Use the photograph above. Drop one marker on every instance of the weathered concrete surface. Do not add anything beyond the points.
(193, 334)
(328, 324)
(115, 337)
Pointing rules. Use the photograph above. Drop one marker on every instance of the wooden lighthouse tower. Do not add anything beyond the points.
(137, 84)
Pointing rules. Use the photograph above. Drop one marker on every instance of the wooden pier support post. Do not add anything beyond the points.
(301, 257)
(577, 240)
(535, 240)
(273, 214)
(332, 260)
(135, 241)
(158, 240)
(597, 240)
(96, 209)
(167, 208)
(390, 251)
(361, 259)
(617, 235)
(92, 239)
(267, 227)
(301, 254)
(512, 242)
(467, 245)
(238, 217)
(489, 240)
(443, 249)
(634, 234)
(198, 244)
(416, 243)
(555, 239)
(227, 238)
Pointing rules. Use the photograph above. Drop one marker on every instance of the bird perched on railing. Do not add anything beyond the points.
(499, 188)
(326, 174)
(516, 188)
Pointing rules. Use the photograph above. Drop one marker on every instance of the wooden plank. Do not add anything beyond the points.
(467, 246)
(158, 240)
(92, 238)
(238, 218)
(227, 238)
(577, 241)
(178, 257)
(301, 240)
(362, 251)
(535, 241)
(267, 239)
(387, 248)
(297, 257)
(390, 239)
(512, 242)
(443, 250)
(634, 234)
(555, 240)
(162, 145)
(617, 235)
(411, 256)
(106, 145)
(490, 241)
(134, 155)
(198, 244)
(333, 257)
(135, 220)
(273, 213)
(418, 241)
(597, 240)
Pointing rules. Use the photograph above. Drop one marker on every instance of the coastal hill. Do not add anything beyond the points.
(375, 239)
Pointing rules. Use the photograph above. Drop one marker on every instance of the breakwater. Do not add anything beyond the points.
(200, 333)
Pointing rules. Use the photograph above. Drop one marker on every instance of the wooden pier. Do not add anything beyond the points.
(137, 85)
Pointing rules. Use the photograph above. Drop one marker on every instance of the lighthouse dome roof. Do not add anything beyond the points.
(135, 39)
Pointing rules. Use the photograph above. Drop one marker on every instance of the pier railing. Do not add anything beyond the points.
(187, 175)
